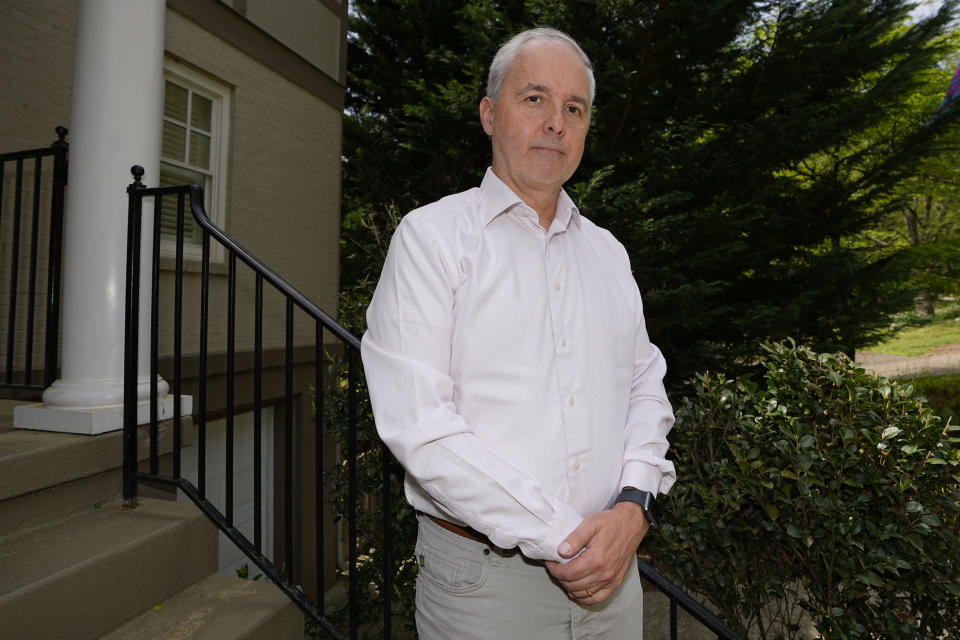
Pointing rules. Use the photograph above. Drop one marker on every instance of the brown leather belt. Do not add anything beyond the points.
(466, 532)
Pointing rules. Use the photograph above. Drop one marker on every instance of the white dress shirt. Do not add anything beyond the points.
(510, 371)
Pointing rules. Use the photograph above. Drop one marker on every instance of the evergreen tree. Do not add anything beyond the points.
(733, 150)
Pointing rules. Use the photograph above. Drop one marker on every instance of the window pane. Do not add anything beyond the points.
(200, 112)
(171, 176)
(174, 141)
(175, 102)
(199, 150)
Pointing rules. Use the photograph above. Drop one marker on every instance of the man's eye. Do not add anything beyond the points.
(534, 99)
(575, 110)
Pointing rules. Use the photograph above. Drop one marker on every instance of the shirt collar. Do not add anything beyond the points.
(496, 198)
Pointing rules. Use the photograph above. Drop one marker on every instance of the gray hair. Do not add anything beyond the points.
(508, 52)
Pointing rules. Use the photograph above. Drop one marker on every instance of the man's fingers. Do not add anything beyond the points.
(591, 595)
(577, 539)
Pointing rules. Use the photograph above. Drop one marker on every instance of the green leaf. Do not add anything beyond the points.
(913, 507)
(870, 578)
(772, 511)
(807, 441)
(930, 519)
(786, 473)
(889, 432)
(794, 531)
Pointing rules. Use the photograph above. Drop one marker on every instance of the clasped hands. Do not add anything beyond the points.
(607, 542)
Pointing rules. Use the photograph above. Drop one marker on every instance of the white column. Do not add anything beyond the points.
(115, 123)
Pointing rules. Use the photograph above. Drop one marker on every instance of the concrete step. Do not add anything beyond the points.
(83, 576)
(49, 476)
(218, 607)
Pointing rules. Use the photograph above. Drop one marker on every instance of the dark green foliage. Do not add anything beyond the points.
(942, 394)
(817, 489)
(337, 407)
(734, 145)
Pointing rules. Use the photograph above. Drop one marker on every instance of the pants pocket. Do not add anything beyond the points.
(456, 571)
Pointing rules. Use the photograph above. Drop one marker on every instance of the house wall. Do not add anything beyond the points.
(282, 185)
(36, 70)
(283, 189)
(36, 83)
(283, 182)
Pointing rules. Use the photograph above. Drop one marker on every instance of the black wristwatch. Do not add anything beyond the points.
(643, 498)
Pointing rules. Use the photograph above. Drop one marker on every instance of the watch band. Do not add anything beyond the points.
(643, 498)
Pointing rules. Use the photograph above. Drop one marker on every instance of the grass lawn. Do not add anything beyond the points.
(917, 336)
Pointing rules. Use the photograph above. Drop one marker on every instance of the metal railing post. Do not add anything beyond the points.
(55, 260)
(131, 339)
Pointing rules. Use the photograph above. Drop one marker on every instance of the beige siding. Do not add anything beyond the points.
(283, 188)
(283, 182)
(36, 79)
(36, 70)
(306, 26)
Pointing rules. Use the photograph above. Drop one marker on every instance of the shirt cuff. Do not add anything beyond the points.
(567, 520)
(646, 477)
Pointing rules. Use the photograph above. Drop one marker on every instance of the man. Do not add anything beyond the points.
(511, 374)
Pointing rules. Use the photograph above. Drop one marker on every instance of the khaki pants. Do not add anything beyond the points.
(468, 590)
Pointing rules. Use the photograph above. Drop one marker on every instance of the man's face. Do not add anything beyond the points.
(540, 120)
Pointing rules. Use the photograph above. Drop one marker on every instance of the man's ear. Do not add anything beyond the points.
(486, 115)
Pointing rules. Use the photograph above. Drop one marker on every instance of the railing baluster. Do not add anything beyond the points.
(202, 382)
(318, 456)
(231, 338)
(155, 334)
(14, 268)
(51, 349)
(257, 412)
(352, 487)
(288, 444)
(387, 514)
(3, 178)
(673, 619)
(32, 281)
(178, 340)
(131, 337)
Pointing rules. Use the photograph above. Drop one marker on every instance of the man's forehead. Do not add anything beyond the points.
(537, 64)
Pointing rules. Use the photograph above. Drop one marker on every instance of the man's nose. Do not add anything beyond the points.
(554, 122)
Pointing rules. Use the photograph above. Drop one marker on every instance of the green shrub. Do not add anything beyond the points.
(370, 541)
(941, 392)
(819, 490)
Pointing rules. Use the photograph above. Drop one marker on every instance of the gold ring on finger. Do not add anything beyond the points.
(589, 595)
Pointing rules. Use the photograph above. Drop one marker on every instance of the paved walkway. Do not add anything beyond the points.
(943, 360)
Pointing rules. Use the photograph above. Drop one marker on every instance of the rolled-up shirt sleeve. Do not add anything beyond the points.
(407, 357)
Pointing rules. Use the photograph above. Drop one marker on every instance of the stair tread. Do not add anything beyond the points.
(92, 572)
(35, 460)
(33, 556)
(217, 607)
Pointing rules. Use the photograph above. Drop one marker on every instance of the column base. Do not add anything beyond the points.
(90, 422)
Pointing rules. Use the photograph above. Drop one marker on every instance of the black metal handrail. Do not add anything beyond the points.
(680, 599)
(278, 572)
(314, 609)
(19, 378)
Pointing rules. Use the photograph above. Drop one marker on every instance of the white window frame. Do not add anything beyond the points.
(215, 198)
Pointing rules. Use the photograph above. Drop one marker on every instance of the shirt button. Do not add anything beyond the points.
(570, 401)
(563, 342)
(576, 464)
(556, 286)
